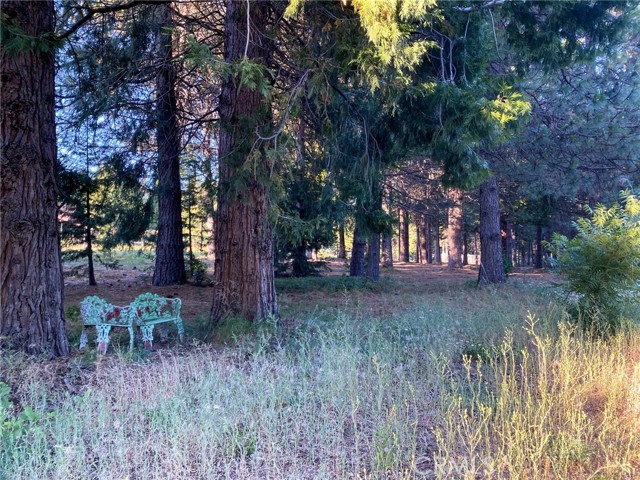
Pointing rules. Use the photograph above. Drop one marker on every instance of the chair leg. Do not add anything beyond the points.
(180, 330)
(103, 338)
(147, 336)
(131, 338)
(83, 338)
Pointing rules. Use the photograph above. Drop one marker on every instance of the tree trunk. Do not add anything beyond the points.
(507, 240)
(169, 266)
(89, 241)
(31, 284)
(491, 266)
(403, 236)
(244, 273)
(454, 229)
(209, 206)
(465, 248)
(387, 243)
(356, 267)
(418, 258)
(428, 242)
(373, 257)
(437, 252)
(342, 249)
(424, 239)
(538, 246)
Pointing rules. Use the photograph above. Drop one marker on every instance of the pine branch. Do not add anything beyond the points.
(92, 12)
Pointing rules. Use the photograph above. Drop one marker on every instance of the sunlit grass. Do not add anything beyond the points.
(450, 389)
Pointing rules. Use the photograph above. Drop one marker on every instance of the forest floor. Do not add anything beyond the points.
(410, 281)
(418, 375)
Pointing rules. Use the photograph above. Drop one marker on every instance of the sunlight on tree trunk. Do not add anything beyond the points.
(491, 266)
(454, 229)
(244, 269)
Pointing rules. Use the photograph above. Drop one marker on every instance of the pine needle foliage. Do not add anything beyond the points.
(602, 264)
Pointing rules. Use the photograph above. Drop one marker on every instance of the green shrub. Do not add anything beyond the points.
(602, 264)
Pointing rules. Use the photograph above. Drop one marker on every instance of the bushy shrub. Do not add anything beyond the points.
(602, 264)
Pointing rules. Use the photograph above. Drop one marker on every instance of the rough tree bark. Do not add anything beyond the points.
(403, 240)
(491, 266)
(454, 229)
(31, 284)
(356, 266)
(169, 266)
(244, 273)
(373, 257)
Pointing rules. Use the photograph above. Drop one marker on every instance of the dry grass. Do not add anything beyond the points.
(344, 395)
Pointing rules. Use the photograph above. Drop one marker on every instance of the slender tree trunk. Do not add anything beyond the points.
(429, 243)
(491, 266)
(418, 258)
(387, 243)
(356, 267)
(342, 249)
(88, 240)
(387, 251)
(31, 284)
(169, 266)
(373, 257)
(209, 206)
(437, 251)
(465, 248)
(403, 241)
(244, 274)
(424, 240)
(538, 246)
(454, 229)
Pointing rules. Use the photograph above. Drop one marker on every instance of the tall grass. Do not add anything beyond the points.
(343, 396)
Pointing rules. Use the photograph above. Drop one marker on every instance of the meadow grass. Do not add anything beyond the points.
(447, 388)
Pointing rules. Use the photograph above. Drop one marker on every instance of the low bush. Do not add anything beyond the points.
(602, 264)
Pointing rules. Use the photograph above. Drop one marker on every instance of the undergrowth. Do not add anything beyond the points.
(437, 391)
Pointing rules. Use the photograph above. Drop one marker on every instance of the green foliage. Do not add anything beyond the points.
(14, 428)
(14, 39)
(602, 263)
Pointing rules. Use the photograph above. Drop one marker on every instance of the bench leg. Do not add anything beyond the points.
(180, 330)
(131, 338)
(147, 336)
(103, 338)
(83, 338)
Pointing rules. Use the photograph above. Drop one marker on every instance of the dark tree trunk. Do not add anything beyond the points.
(424, 240)
(356, 267)
(387, 251)
(31, 284)
(538, 246)
(454, 229)
(373, 257)
(429, 243)
(169, 267)
(89, 241)
(437, 252)
(403, 241)
(418, 242)
(342, 249)
(465, 248)
(491, 266)
(244, 273)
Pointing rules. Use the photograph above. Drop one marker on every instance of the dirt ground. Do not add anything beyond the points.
(123, 285)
